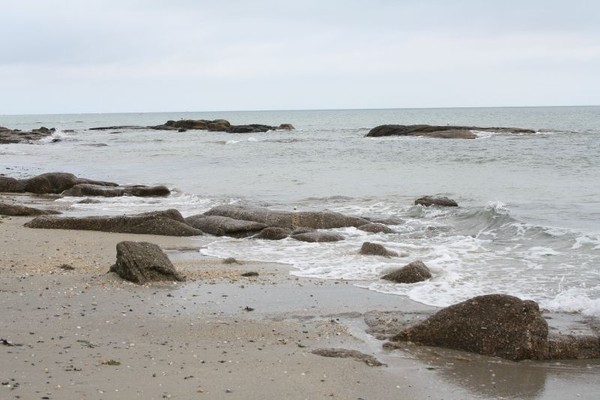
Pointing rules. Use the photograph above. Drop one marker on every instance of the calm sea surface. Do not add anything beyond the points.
(528, 225)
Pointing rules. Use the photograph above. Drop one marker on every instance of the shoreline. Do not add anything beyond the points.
(220, 335)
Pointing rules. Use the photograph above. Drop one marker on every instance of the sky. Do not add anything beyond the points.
(77, 56)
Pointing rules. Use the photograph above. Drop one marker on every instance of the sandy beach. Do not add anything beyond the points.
(71, 330)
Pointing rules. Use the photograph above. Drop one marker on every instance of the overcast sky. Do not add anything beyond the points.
(70, 56)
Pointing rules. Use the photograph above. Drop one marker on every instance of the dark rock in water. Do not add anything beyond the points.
(166, 223)
(318, 237)
(251, 128)
(250, 274)
(142, 262)
(414, 272)
(344, 353)
(49, 183)
(8, 136)
(218, 125)
(376, 228)
(118, 127)
(286, 127)
(224, 226)
(493, 325)
(376, 249)
(442, 132)
(287, 219)
(17, 210)
(273, 233)
(86, 189)
(89, 201)
(436, 201)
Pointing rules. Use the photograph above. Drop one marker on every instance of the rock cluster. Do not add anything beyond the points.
(441, 132)
(217, 125)
(8, 136)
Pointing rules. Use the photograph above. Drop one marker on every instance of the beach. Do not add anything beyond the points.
(80, 332)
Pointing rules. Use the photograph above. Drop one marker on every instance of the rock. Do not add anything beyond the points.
(287, 219)
(251, 128)
(414, 272)
(493, 325)
(85, 189)
(231, 260)
(8, 136)
(166, 223)
(569, 347)
(49, 183)
(250, 274)
(443, 132)
(376, 228)
(218, 125)
(344, 353)
(142, 262)
(224, 226)
(436, 201)
(286, 127)
(375, 249)
(318, 237)
(17, 210)
(273, 233)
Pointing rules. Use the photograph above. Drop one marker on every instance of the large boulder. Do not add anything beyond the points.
(287, 219)
(86, 189)
(11, 185)
(442, 132)
(376, 249)
(18, 210)
(166, 223)
(492, 325)
(441, 201)
(414, 272)
(224, 226)
(142, 262)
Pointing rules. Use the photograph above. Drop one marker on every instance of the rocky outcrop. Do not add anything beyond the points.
(442, 132)
(224, 226)
(142, 262)
(436, 201)
(8, 136)
(49, 183)
(273, 233)
(219, 125)
(18, 210)
(318, 237)
(166, 223)
(414, 272)
(376, 249)
(86, 189)
(287, 219)
(376, 228)
(493, 325)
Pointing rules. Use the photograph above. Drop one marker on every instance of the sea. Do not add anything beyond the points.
(528, 221)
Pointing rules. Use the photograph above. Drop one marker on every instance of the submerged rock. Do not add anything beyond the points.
(142, 262)
(436, 201)
(224, 226)
(414, 272)
(273, 233)
(167, 223)
(376, 249)
(374, 227)
(288, 219)
(492, 325)
(442, 132)
(318, 237)
(86, 189)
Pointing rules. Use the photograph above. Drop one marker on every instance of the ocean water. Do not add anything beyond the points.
(528, 222)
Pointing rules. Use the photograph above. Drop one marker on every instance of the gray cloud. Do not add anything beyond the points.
(153, 55)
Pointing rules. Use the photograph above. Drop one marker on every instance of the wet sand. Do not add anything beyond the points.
(83, 333)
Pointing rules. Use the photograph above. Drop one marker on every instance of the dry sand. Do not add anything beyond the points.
(83, 333)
